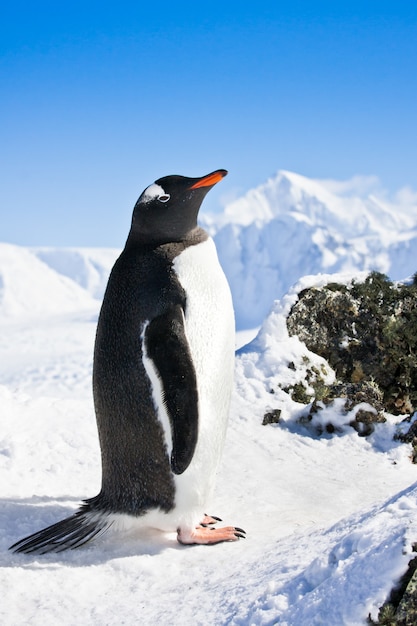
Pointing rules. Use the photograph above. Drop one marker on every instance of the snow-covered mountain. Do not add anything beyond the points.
(46, 281)
(29, 287)
(286, 228)
(291, 226)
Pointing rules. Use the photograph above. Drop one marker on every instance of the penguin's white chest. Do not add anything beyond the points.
(210, 331)
(209, 319)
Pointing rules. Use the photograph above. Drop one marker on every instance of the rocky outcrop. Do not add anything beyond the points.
(368, 334)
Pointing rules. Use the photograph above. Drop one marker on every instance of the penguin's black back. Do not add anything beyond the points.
(136, 469)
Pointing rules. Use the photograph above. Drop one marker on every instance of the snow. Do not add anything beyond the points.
(21, 273)
(88, 267)
(330, 520)
(291, 226)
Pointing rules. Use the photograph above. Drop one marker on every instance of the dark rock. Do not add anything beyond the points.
(366, 393)
(367, 332)
(409, 436)
(272, 417)
(406, 614)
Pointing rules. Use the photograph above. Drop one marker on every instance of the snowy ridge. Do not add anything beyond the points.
(29, 287)
(291, 226)
(44, 281)
(323, 203)
(88, 267)
(334, 587)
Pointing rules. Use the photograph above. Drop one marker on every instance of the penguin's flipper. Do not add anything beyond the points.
(67, 534)
(167, 346)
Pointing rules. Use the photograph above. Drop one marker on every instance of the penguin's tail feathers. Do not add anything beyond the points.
(68, 534)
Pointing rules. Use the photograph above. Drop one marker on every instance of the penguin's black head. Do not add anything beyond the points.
(167, 210)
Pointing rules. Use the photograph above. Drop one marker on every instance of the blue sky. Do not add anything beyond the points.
(97, 100)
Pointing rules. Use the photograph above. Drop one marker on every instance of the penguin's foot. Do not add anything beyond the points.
(204, 535)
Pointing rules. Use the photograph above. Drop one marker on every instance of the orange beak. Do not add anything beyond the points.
(210, 179)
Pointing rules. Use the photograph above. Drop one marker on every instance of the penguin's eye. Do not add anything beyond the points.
(164, 197)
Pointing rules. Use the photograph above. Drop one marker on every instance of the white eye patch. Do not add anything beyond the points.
(153, 192)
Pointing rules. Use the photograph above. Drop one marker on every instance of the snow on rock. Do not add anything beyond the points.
(273, 360)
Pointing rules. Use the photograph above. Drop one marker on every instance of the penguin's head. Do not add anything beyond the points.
(167, 210)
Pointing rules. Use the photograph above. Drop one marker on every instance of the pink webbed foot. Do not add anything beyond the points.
(202, 534)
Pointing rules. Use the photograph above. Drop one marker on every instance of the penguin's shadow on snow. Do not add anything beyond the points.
(24, 516)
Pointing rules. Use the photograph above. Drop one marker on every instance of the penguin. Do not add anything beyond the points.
(162, 378)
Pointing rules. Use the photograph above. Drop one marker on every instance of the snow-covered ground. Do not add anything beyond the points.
(329, 521)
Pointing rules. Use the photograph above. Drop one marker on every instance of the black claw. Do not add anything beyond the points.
(240, 530)
(218, 519)
(240, 536)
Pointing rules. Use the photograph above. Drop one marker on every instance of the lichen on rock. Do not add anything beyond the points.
(367, 331)
(360, 407)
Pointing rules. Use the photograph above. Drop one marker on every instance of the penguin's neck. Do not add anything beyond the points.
(137, 238)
